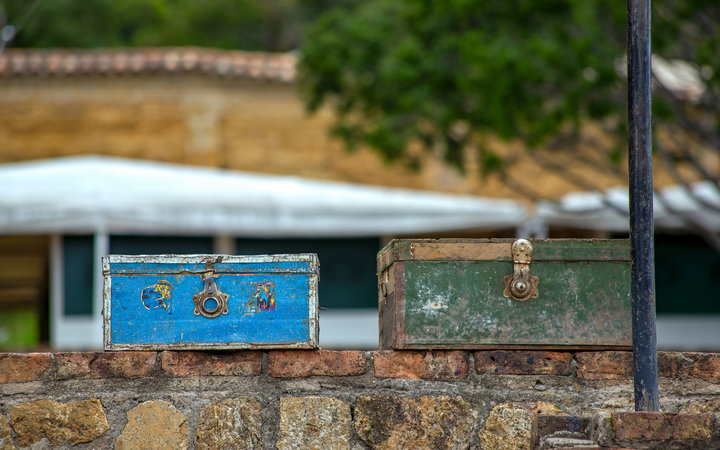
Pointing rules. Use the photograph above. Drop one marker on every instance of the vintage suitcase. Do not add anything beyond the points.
(210, 302)
(505, 293)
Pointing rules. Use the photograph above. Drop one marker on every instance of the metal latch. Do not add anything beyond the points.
(521, 285)
(210, 302)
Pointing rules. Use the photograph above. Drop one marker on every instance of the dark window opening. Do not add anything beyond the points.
(78, 275)
(687, 271)
(347, 266)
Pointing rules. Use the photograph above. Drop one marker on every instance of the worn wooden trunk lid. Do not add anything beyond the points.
(210, 301)
(448, 293)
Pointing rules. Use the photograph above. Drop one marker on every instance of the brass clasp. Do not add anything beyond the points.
(210, 302)
(521, 285)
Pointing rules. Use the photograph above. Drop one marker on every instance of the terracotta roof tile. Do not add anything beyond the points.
(279, 67)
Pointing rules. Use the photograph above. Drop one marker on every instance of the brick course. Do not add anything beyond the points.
(19, 367)
(105, 365)
(306, 363)
(633, 429)
(523, 363)
(417, 365)
(616, 365)
(658, 426)
(211, 363)
(705, 366)
(426, 365)
(604, 365)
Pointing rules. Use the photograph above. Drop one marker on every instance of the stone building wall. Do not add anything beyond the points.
(353, 399)
(238, 124)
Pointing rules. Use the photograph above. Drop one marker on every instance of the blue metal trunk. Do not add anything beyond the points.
(210, 301)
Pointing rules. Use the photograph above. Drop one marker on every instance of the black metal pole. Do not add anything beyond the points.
(642, 288)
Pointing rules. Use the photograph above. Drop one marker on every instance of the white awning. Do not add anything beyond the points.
(90, 194)
(699, 202)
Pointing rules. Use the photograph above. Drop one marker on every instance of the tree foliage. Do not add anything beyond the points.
(439, 75)
(446, 74)
(270, 25)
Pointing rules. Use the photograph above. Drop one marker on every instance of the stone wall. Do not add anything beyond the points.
(352, 399)
(234, 124)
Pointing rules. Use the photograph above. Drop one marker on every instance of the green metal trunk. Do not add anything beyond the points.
(451, 293)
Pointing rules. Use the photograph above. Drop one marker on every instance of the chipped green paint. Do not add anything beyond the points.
(584, 299)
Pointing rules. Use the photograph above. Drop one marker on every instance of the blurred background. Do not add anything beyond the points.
(281, 126)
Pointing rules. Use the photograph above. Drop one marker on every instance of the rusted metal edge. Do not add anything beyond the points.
(565, 348)
(314, 319)
(386, 297)
(399, 306)
(386, 256)
(574, 250)
(624, 342)
(211, 346)
(200, 261)
(214, 259)
(386, 309)
(107, 289)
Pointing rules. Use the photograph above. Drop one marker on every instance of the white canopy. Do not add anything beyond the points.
(88, 194)
(699, 202)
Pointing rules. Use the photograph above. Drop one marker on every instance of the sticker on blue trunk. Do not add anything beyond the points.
(157, 295)
(263, 299)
